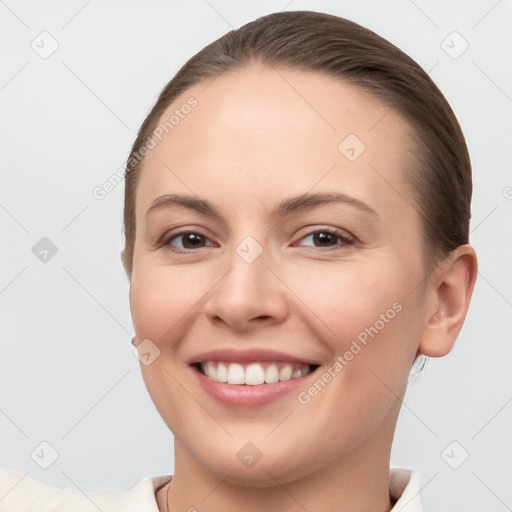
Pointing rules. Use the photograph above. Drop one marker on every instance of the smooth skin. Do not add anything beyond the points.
(259, 136)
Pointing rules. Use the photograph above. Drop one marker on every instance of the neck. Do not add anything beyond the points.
(357, 482)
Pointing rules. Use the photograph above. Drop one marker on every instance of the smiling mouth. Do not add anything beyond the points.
(253, 374)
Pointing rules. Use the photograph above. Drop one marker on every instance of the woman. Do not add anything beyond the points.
(296, 216)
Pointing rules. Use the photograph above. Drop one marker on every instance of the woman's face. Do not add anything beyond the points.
(250, 292)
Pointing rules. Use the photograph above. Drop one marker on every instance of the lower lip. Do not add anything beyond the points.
(242, 395)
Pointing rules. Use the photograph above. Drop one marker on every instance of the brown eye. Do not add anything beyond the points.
(187, 240)
(328, 238)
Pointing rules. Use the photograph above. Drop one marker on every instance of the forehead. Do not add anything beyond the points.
(259, 134)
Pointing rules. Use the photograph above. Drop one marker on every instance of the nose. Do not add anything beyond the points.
(249, 295)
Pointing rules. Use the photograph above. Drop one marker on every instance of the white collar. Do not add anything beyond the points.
(404, 486)
(19, 493)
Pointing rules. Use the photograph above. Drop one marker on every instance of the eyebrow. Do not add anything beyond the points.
(302, 202)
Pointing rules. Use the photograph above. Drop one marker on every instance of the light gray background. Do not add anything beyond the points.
(67, 372)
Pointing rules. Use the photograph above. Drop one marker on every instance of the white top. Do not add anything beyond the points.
(19, 493)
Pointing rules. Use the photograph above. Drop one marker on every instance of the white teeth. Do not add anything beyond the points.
(236, 374)
(222, 373)
(253, 374)
(304, 370)
(297, 373)
(209, 369)
(286, 372)
(271, 374)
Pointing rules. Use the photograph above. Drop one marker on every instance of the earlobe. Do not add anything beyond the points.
(453, 288)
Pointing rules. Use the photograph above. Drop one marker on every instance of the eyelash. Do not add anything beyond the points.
(345, 241)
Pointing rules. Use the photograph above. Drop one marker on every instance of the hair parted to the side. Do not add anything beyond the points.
(440, 176)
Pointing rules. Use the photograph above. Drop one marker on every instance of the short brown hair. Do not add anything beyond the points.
(311, 41)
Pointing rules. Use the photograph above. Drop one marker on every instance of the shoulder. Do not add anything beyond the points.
(20, 493)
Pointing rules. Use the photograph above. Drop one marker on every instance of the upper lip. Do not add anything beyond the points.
(248, 355)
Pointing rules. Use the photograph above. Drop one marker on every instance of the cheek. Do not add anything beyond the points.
(351, 301)
(160, 298)
(161, 301)
(371, 327)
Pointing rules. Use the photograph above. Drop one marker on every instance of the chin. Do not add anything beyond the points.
(249, 467)
(260, 475)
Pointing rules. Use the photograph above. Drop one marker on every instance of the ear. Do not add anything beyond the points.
(452, 287)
